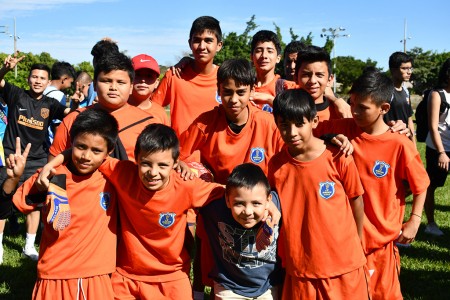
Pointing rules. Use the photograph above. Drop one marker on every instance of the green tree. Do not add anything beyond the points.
(85, 66)
(348, 69)
(426, 68)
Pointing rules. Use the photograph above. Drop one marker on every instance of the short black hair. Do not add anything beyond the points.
(266, 36)
(114, 62)
(238, 69)
(374, 84)
(102, 47)
(247, 176)
(206, 23)
(312, 54)
(293, 47)
(40, 66)
(62, 68)
(294, 105)
(98, 122)
(156, 138)
(398, 58)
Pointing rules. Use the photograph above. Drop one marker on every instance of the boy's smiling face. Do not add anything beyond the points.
(204, 46)
(113, 89)
(38, 81)
(155, 169)
(88, 152)
(314, 78)
(265, 57)
(235, 100)
(248, 206)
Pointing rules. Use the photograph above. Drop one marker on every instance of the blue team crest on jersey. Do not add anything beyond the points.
(105, 199)
(380, 169)
(257, 155)
(268, 108)
(218, 99)
(326, 189)
(166, 219)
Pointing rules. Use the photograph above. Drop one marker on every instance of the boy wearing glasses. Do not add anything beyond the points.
(400, 65)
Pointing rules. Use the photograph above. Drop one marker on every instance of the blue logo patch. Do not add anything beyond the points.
(380, 169)
(257, 155)
(166, 219)
(326, 189)
(105, 199)
(268, 108)
(218, 99)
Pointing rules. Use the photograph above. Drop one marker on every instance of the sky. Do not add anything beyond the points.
(67, 29)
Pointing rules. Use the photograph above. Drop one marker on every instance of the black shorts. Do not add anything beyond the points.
(437, 175)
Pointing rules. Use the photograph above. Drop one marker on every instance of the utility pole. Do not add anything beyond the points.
(404, 37)
(334, 34)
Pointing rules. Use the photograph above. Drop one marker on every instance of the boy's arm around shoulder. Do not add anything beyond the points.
(162, 93)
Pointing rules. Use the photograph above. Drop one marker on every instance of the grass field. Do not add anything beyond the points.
(425, 270)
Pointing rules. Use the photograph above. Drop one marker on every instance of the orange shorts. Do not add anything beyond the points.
(96, 287)
(352, 285)
(384, 269)
(127, 289)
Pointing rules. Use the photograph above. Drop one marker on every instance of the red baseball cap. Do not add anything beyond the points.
(144, 61)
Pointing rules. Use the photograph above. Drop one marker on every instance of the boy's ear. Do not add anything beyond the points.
(219, 46)
(315, 122)
(227, 201)
(384, 108)
(330, 80)
(131, 89)
(269, 199)
(278, 58)
(175, 165)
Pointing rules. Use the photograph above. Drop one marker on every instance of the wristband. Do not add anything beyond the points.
(413, 214)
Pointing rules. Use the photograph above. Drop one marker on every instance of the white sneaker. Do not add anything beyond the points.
(30, 252)
(1, 255)
(433, 229)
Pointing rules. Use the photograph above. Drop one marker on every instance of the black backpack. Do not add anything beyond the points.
(422, 114)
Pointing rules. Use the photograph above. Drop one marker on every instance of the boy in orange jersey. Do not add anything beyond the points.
(113, 81)
(196, 91)
(78, 260)
(265, 54)
(313, 73)
(233, 132)
(385, 160)
(320, 193)
(145, 82)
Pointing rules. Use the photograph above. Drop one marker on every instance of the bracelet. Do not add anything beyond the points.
(413, 214)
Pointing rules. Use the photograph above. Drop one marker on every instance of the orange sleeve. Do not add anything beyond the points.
(350, 177)
(61, 141)
(19, 198)
(414, 171)
(190, 141)
(160, 95)
(204, 192)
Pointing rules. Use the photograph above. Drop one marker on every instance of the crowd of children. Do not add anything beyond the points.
(306, 203)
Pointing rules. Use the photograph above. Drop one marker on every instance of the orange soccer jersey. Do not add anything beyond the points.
(87, 247)
(384, 162)
(188, 96)
(318, 238)
(125, 116)
(159, 113)
(326, 111)
(153, 223)
(222, 149)
(271, 87)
